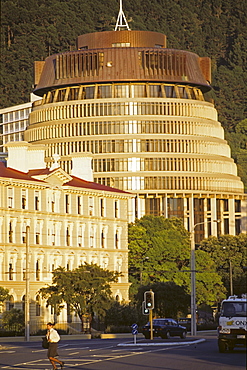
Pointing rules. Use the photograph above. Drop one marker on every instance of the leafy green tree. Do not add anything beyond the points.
(209, 286)
(4, 294)
(226, 249)
(86, 290)
(159, 249)
(122, 315)
(238, 143)
(13, 320)
(160, 252)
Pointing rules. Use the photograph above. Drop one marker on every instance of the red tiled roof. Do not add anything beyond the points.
(76, 182)
(79, 183)
(14, 174)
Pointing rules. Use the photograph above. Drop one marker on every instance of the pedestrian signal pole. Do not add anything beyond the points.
(149, 304)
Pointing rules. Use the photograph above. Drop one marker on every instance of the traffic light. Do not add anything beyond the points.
(145, 311)
(149, 300)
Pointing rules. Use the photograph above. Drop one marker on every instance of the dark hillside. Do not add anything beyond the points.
(34, 29)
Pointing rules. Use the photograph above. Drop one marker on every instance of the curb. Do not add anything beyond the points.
(162, 343)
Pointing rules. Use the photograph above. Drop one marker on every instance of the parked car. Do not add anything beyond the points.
(164, 328)
(185, 321)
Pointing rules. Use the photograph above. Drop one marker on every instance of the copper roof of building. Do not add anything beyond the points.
(122, 56)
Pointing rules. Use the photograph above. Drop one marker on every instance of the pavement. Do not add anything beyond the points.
(132, 340)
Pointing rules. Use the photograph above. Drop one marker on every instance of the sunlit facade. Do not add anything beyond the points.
(141, 110)
(71, 221)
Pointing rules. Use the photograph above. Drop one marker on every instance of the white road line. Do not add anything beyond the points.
(22, 363)
(76, 348)
(99, 349)
(74, 353)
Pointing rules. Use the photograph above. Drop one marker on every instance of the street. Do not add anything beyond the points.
(112, 354)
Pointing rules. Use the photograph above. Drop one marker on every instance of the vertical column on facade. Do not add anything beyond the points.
(213, 216)
(142, 207)
(205, 218)
(191, 213)
(131, 210)
(185, 213)
(231, 205)
(164, 201)
(1, 266)
(221, 219)
(1, 228)
(243, 216)
(139, 207)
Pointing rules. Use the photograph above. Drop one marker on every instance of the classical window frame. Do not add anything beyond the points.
(37, 196)
(10, 192)
(67, 203)
(24, 199)
(102, 204)
(116, 208)
(91, 205)
(79, 204)
(80, 235)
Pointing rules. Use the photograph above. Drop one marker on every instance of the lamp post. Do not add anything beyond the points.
(193, 282)
(193, 277)
(27, 295)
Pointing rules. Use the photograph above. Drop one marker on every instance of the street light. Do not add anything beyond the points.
(27, 295)
(193, 277)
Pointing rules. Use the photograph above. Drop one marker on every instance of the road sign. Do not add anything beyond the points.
(134, 326)
(134, 331)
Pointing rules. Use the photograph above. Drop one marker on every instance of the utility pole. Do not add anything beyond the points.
(193, 282)
(27, 295)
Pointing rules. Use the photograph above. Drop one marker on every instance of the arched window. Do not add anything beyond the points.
(10, 303)
(23, 303)
(38, 306)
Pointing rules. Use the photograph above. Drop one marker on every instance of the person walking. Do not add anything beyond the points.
(53, 339)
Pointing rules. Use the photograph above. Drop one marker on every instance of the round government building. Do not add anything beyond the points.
(140, 109)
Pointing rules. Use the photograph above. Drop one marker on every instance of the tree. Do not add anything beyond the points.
(160, 252)
(159, 249)
(13, 320)
(4, 294)
(122, 315)
(86, 290)
(228, 249)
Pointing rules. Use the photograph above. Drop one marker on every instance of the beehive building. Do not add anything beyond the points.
(140, 109)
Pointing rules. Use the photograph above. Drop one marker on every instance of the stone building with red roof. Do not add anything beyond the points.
(70, 220)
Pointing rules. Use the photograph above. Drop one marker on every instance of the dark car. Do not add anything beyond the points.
(164, 328)
(185, 321)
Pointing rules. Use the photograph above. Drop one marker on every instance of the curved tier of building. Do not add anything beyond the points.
(140, 109)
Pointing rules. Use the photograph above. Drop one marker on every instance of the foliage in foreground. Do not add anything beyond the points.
(226, 249)
(160, 253)
(13, 320)
(86, 290)
(4, 294)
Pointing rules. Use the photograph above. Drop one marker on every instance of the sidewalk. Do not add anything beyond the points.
(105, 336)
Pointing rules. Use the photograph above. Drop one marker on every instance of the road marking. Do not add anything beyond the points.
(99, 349)
(162, 343)
(70, 349)
(22, 363)
(74, 353)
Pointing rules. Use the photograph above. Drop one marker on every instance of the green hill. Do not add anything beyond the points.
(34, 29)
